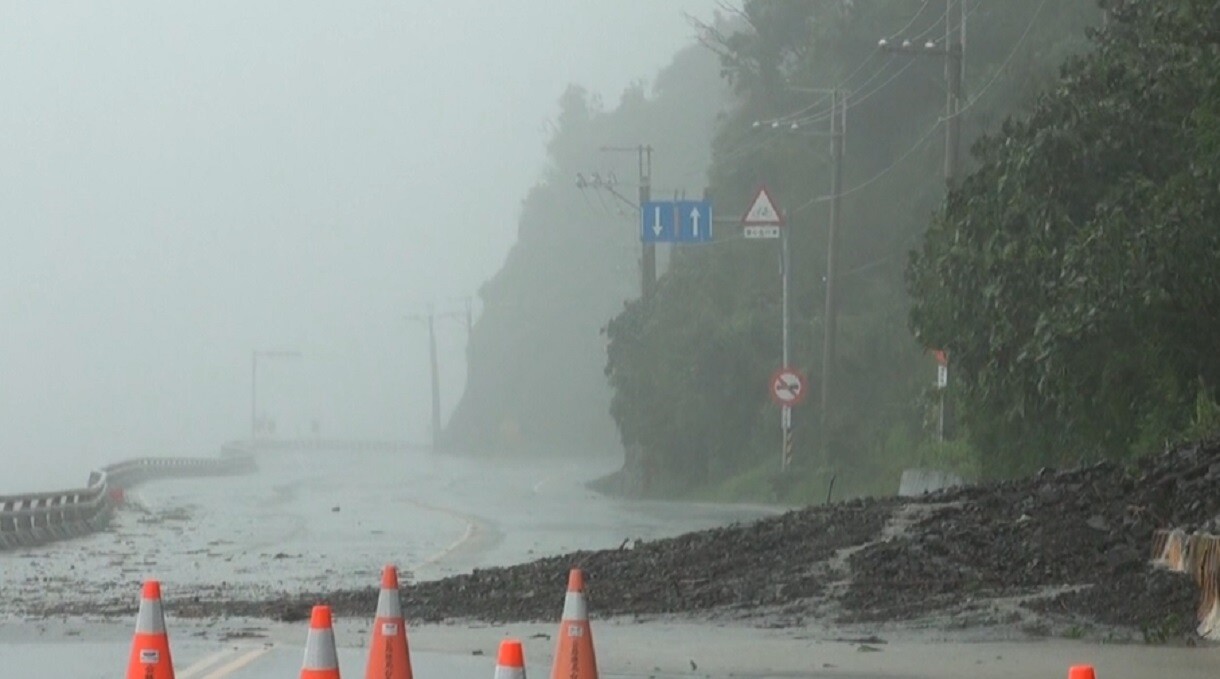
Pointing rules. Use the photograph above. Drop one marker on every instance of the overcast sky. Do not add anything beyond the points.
(184, 182)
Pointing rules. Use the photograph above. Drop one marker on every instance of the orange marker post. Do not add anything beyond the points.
(574, 658)
(150, 658)
(321, 659)
(511, 662)
(389, 653)
(1081, 672)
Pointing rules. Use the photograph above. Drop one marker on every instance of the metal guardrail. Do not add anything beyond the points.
(341, 445)
(37, 518)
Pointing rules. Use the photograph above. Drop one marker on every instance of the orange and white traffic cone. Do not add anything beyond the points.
(150, 658)
(574, 657)
(511, 662)
(389, 655)
(321, 659)
(1082, 672)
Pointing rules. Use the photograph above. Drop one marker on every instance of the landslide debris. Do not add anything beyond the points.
(1070, 546)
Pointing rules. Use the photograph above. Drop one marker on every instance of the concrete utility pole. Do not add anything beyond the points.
(648, 264)
(434, 363)
(785, 414)
(954, 53)
(648, 260)
(430, 319)
(838, 130)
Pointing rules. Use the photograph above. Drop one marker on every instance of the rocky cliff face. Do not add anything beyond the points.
(537, 353)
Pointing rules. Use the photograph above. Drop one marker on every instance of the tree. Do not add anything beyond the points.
(1072, 275)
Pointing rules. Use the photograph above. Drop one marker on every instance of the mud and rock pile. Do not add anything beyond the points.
(1073, 546)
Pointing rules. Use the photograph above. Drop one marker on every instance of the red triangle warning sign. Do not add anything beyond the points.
(762, 211)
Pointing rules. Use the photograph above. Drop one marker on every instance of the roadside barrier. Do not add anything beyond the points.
(150, 657)
(574, 657)
(335, 445)
(510, 663)
(321, 657)
(1197, 555)
(389, 656)
(37, 518)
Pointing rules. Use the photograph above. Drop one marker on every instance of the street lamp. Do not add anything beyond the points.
(255, 355)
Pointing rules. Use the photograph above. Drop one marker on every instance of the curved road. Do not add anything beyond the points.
(312, 521)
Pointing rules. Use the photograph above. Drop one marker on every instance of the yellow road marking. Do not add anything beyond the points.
(203, 664)
(238, 663)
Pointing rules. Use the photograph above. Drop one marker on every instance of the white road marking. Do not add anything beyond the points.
(238, 663)
(203, 664)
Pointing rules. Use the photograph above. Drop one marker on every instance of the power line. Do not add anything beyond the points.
(1003, 66)
(875, 178)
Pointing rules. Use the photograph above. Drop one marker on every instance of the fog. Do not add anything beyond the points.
(183, 183)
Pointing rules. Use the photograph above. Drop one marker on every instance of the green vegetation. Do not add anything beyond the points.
(1073, 274)
(689, 366)
(1069, 273)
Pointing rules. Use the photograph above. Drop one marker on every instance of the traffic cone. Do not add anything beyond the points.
(1081, 672)
(511, 662)
(150, 658)
(574, 657)
(321, 659)
(389, 655)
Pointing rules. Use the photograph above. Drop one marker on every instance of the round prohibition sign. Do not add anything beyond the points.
(788, 387)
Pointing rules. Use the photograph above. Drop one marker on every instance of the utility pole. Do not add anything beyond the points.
(430, 319)
(954, 52)
(648, 260)
(436, 380)
(434, 363)
(838, 129)
(785, 422)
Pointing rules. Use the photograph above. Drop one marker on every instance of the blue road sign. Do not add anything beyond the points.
(657, 222)
(680, 221)
(694, 221)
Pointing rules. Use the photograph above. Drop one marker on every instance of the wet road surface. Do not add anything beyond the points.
(316, 522)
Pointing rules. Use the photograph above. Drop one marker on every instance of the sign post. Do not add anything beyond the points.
(763, 220)
(788, 387)
(942, 381)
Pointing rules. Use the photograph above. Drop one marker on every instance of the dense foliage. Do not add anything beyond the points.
(690, 366)
(1073, 274)
(1069, 273)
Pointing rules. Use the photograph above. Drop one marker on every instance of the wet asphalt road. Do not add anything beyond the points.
(316, 521)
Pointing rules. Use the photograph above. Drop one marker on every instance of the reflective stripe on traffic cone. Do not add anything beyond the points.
(321, 660)
(574, 658)
(150, 658)
(511, 662)
(1082, 672)
(389, 654)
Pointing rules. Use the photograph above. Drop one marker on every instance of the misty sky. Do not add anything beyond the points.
(184, 182)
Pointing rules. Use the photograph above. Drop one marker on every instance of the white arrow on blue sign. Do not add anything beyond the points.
(676, 221)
